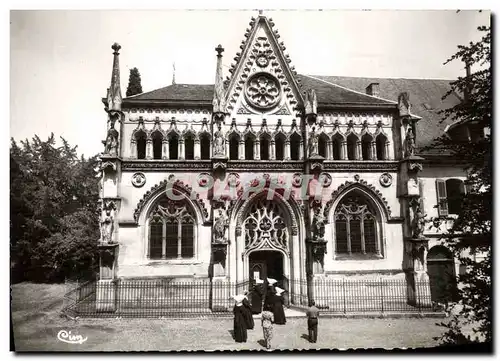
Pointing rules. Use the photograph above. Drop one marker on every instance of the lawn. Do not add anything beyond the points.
(36, 320)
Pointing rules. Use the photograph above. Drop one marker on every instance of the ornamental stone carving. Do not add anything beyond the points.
(138, 180)
(263, 91)
(385, 180)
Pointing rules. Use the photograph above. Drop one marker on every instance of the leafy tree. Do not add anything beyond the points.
(470, 235)
(54, 210)
(134, 83)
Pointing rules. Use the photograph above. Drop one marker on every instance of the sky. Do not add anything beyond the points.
(61, 60)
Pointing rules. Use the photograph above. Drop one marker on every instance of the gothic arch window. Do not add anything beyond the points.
(356, 227)
(204, 146)
(189, 146)
(366, 146)
(140, 139)
(295, 146)
(279, 144)
(323, 145)
(249, 147)
(337, 146)
(352, 147)
(265, 226)
(157, 138)
(173, 145)
(264, 147)
(172, 231)
(380, 144)
(234, 144)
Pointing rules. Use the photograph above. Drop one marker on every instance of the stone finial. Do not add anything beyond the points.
(219, 49)
(116, 47)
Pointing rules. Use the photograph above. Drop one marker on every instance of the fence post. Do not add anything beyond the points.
(344, 295)
(382, 294)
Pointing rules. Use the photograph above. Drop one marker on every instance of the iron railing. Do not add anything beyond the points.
(171, 298)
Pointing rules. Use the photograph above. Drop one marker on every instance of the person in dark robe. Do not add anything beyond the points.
(278, 311)
(239, 325)
(248, 313)
(270, 292)
(256, 296)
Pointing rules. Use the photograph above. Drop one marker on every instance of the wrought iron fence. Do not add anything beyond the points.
(171, 298)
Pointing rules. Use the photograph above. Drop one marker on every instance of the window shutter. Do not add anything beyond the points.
(441, 197)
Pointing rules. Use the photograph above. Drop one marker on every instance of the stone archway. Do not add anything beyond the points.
(269, 227)
(442, 277)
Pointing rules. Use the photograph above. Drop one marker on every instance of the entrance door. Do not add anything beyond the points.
(441, 271)
(268, 264)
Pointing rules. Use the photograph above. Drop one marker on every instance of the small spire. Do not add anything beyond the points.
(218, 102)
(260, 12)
(114, 93)
(173, 73)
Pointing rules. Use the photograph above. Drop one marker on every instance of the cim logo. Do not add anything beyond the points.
(67, 337)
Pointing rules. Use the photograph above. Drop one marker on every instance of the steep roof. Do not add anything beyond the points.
(340, 91)
(425, 99)
(179, 92)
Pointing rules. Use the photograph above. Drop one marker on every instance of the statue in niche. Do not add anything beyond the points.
(410, 143)
(313, 143)
(418, 255)
(419, 223)
(220, 228)
(311, 102)
(107, 226)
(219, 142)
(319, 222)
(112, 139)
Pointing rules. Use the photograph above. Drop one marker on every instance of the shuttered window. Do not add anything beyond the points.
(441, 197)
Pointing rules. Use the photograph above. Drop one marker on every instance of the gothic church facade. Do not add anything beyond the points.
(270, 173)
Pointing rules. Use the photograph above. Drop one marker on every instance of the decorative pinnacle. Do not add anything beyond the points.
(219, 49)
(260, 12)
(116, 47)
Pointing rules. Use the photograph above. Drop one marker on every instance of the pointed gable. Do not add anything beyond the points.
(261, 80)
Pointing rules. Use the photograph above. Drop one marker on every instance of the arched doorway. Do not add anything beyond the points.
(267, 242)
(442, 277)
(268, 264)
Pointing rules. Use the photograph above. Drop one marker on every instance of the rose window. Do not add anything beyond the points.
(263, 91)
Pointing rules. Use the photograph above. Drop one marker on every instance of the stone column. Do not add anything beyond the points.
(343, 151)
(272, 150)
(149, 148)
(373, 155)
(167, 148)
(133, 149)
(257, 150)
(288, 154)
(241, 151)
(301, 153)
(387, 151)
(164, 145)
(359, 151)
(197, 148)
(181, 148)
(329, 150)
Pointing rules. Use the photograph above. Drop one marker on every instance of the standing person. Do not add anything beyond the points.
(256, 296)
(278, 311)
(270, 292)
(267, 326)
(248, 313)
(312, 322)
(239, 325)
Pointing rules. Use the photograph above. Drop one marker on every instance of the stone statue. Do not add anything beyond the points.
(319, 226)
(313, 143)
(112, 138)
(410, 143)
(107, 227)
(220, 228)
(219, 142)
(419, 223)
(311, 102)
